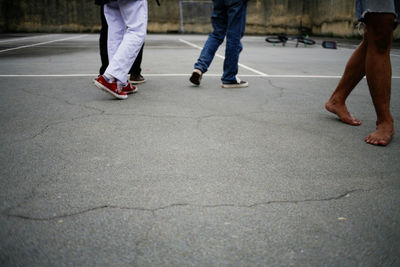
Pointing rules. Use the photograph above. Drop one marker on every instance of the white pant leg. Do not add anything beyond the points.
(116, 28)
(134, 15)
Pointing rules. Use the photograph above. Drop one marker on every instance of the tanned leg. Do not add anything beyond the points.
(353, 73)
(379, 74)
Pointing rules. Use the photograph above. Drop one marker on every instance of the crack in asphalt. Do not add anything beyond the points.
(46, 127)
(174, 205)
(101, 112)
(280, 89)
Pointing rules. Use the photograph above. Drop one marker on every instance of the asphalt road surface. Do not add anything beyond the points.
(178, 175)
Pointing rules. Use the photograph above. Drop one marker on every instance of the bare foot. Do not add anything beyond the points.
(341, 111)
(382, 136)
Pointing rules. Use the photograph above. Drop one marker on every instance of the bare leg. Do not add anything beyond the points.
(379, 74)
(353, 73)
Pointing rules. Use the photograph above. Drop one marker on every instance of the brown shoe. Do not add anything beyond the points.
(196, 77)
(136, 79)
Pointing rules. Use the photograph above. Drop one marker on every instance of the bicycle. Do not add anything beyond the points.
(282, 38)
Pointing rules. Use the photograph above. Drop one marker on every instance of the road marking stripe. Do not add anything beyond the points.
(42, 43)
(24, 38)
(179, 75)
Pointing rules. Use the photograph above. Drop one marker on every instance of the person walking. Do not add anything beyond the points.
(228, 19)
(370, 59)
(135, 71)
(127, 25)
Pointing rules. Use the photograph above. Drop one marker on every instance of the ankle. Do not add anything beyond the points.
(336, 101)
(386, 122)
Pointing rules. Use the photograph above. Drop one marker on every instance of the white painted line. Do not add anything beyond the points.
(222, 57)
(24, 38)
(95, 75)
(306, 76)
(191, 44)
(253, 70)
(42, 43)
(178, 75)
(47, 75)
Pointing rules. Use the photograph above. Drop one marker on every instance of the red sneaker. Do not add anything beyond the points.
(111, 88)
(129, 88)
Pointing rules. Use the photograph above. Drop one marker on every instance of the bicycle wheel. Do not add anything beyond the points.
(307, 41)
(273, 39)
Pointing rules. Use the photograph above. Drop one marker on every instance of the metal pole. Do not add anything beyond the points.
(181, 30)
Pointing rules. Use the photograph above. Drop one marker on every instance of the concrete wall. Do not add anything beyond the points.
(323, 17)
(48, 15)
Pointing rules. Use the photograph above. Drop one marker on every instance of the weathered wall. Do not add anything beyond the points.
(323, 17)
(48, 15)
(163, 18)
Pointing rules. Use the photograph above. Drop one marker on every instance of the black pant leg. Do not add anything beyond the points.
(103, 42)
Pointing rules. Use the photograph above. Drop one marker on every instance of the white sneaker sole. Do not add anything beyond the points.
(105, 89)
(235, 85)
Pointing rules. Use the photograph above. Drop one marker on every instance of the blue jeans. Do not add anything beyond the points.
(228, 19)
